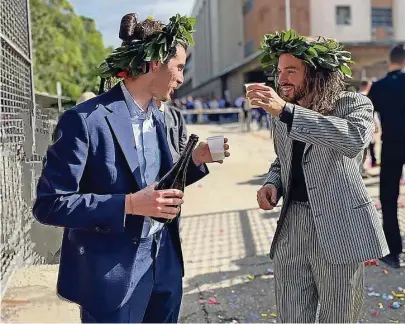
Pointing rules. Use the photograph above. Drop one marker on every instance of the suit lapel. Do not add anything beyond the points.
(308, 147)
(119, 120)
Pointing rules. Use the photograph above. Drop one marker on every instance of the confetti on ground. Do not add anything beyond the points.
(397, 295)
(385, 271)
(376, 313)
(213, 301)
(255, 315)
(395, 305)
(371, 263)
(273, 315)
(387, 297)
(264, 315)
(380, 305)
(251, 277)
(270, 271)
(394, 321)
(374, 294)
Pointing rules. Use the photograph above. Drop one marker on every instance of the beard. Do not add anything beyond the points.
(297, 94)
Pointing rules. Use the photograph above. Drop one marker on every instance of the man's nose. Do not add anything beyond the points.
(180, 80)
(282, 77)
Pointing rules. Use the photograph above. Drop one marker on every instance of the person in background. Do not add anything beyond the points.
(85, 96)
(190, 119)
(364, 88)
(388, 98)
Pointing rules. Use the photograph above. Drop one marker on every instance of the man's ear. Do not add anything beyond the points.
(154, 65)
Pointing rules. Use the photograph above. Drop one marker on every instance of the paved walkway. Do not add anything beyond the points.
(226, 239)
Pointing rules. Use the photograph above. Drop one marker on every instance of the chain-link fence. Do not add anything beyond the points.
(25, 133)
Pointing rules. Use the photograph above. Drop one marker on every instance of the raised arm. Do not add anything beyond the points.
(348, 134)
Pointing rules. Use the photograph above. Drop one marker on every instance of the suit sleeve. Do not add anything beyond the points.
(348, 135)
(60, 201)
(274, 174)
(194, 172)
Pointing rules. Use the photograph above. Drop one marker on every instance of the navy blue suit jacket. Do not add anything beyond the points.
(87, 172)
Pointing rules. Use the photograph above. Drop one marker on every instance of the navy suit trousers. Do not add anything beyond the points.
(156, 297)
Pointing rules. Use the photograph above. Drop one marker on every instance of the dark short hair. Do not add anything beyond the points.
(397, 54)
(364, 83)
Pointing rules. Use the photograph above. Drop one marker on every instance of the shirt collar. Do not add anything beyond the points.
(134, 109)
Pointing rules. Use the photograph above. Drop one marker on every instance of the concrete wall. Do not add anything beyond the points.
(218, 37)
(230, 33)
(398, 12)
(323, 20)
(213, 88)
(236, 80)
(202, 64)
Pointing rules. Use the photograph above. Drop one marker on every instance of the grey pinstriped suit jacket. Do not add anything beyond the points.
(346, 220)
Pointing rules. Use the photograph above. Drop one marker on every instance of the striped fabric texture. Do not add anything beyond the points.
(346, 221)
(308, 287)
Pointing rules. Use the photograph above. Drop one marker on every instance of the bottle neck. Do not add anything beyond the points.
(187, 153)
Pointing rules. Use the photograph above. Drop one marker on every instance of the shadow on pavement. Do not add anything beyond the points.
(256, 181)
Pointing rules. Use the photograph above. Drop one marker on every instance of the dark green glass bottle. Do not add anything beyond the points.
(175, 178)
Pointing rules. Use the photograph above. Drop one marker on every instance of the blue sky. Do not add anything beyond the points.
(108, 13)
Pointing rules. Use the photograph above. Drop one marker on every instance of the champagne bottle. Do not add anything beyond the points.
(175, 178)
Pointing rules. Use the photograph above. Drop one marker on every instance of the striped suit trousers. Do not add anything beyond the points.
(308, 286)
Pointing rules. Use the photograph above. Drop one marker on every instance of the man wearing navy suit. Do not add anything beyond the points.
(98, 183)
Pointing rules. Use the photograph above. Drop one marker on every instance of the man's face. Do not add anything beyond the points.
(291, 72)
(167, 77)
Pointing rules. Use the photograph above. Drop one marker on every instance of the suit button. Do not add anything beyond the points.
(135, 241)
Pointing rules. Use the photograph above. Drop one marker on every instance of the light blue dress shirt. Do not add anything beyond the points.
(147, 147)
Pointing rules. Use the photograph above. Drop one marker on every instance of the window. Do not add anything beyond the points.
(381, 17)
(343, 15)
(247, 6)
(249, 49)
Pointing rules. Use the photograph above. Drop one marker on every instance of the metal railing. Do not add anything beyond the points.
(25, 133)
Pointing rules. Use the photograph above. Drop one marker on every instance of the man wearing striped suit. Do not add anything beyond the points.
(328, 224)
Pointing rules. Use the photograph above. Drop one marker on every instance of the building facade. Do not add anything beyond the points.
(229, 32)
(219, 44)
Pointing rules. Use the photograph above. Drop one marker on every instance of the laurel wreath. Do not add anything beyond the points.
(321, 52)
(133, 58)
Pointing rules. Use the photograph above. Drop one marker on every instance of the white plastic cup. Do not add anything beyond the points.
(250, 101)
(216, 146)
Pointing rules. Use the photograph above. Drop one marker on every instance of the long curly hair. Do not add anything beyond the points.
(322, 88)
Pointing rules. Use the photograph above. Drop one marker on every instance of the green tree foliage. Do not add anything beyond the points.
(66, 48)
